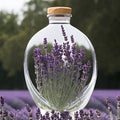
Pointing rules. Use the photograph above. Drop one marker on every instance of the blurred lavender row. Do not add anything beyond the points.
(18, 105)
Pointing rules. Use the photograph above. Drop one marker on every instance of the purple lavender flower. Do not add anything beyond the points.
(64, 33)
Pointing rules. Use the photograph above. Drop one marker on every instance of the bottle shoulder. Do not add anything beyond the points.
(54, 30)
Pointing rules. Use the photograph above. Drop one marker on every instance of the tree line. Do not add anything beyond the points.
(98, 19)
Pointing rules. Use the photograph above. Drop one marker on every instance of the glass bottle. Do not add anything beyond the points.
(60, 64)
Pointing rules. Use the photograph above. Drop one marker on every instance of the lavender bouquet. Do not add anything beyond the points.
(62, 72)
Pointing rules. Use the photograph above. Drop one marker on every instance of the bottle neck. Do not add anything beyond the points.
(59, 19)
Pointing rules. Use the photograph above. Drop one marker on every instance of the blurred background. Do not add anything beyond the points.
(21, 19)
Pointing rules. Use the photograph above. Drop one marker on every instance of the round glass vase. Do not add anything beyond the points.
(60, 64)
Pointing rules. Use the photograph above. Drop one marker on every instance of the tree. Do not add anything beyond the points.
(99, 20)
(18, 36)
(8, 28)
(8, 23)
(12, 53)
(104, 30)
(35, 16)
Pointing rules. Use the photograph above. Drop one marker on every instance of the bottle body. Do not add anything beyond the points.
(65, 67)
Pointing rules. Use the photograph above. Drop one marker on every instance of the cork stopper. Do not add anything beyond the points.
(59, 10)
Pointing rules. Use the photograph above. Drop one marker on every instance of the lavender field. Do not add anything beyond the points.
(101, 105)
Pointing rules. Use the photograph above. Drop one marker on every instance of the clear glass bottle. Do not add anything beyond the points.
(60, 64)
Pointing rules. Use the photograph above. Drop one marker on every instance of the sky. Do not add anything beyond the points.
(15, 6)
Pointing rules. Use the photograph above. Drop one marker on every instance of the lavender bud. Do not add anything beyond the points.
(30, 116)
(0, 113)
(38, 114)
(5, 113)
(28, 108)
(76, 115)
(47, 115)
(98, 114)
(63, 30)
(11, 116)
(36, 52)
(45, 43)
(52, 111)
(72, 39)
(64, 34)
(2, 101)
(91, 114)
(118, 98)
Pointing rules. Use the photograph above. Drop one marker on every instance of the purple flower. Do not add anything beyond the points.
(64, 33)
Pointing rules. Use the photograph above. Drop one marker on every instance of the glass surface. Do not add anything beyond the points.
(60, 66)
